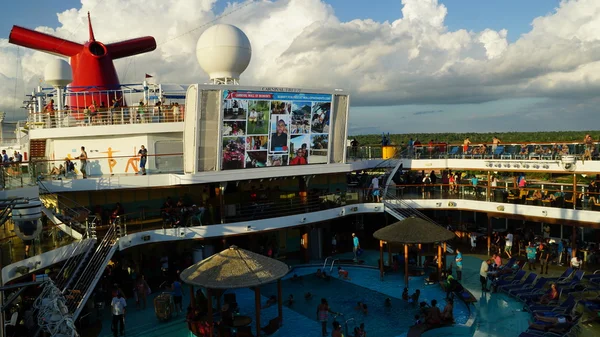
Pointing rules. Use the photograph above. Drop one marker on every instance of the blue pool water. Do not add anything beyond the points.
(343, 296)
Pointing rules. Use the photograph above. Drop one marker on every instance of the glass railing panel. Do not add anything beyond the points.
(116, 116)
(522, 151)
(553, 196)
(57, 169)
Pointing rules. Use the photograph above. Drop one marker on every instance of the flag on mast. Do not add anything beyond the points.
(148, 76)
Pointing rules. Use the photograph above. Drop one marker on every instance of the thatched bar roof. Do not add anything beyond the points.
(234, 268)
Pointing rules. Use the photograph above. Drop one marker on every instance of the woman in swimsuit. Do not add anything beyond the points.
(323, 311)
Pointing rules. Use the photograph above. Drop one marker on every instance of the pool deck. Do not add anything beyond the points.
(493, 315)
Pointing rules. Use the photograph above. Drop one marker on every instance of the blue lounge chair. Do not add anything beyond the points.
(453, 152)
(511, 279)
(564, 277)
(573, 281)
(593, 276)
(528, 282)
(534, 296)
(537, 287)
(566, 306)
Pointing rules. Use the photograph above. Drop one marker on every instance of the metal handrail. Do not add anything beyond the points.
(346, 325)
(325, 263)
(332, 263)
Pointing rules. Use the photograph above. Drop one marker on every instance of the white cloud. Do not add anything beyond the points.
(415, 59)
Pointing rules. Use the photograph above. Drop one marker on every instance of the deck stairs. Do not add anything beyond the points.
(401, 209)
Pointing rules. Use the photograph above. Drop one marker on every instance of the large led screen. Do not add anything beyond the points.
(274, 129)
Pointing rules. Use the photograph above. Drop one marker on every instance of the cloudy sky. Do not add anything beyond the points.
(410, 65)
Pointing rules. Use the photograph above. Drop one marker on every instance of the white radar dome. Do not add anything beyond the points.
(224, 52)
(58, 73)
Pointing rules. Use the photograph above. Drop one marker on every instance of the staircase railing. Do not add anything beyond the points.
(70, 217)
(80, 292)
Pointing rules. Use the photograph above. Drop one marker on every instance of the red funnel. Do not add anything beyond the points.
(92, 62)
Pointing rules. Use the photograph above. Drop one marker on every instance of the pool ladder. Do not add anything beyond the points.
(346, 325)
(332, 263)
(325, 263)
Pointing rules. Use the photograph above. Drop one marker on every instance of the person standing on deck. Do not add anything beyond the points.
(356, 246)
(143, 153)
(118, 305)
(459, 264)
(83, 158)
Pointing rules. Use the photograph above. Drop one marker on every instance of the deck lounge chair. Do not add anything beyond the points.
(527, 283)
(511, 279)
(564, 277)
(566, 306)
(539, 285)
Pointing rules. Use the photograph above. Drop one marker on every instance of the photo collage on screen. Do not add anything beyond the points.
(263, 132)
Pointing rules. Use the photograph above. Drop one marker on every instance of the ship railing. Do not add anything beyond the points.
(55, 169)
(537, 193)
(553, 150)
(106, 116)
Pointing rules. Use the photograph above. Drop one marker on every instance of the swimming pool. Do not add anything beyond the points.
(343, 296)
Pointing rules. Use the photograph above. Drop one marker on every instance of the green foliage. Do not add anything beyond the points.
(457, 138)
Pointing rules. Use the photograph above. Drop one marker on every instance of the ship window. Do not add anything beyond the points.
(169, 156)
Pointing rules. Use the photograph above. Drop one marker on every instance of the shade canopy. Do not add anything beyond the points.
(234, 268)
(413, 230)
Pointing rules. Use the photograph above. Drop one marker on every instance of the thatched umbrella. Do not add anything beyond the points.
(412, 231)
(237, 268)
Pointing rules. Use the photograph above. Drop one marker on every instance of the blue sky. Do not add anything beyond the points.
(514, 15)
(535, 97)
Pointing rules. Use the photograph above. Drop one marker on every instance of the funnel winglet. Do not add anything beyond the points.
(90, 27)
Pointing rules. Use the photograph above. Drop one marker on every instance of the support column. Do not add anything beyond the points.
(489, 187)
(220, 191)
(192, 299)
(381, 259)
(210, 310)
(419, 264)
(257, 308)
(574, 242)
(389, 254)
(574, 191)
(489, 235)
(279, 302)
(444, 257)
(304, 245)
(406, 265)
(439, 261)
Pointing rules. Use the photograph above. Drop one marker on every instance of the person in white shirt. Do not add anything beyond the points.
(483, 274)
(575, 262)
(473, 242)
(375, 188)
(509, 244)
(118, 305)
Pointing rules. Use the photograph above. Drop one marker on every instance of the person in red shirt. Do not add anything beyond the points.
(300, 158)
(49, 109)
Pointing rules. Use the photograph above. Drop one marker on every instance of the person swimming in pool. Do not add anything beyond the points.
(405, 294)
(343, 274)
(361, 306)
(414, 298)
(307, 296)
(387, 303)
(290, 300)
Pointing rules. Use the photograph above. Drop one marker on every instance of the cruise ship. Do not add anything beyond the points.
(105, 178)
